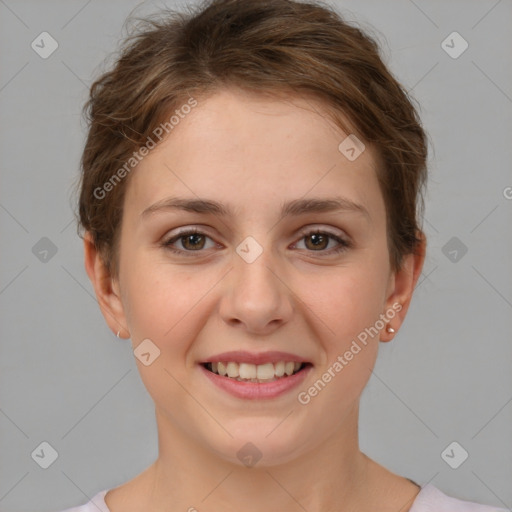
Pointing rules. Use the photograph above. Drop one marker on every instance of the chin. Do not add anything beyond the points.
(260, 443)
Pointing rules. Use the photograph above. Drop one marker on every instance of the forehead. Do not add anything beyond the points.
(257, 148)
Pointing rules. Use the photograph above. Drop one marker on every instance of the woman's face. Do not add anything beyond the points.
(256, 278)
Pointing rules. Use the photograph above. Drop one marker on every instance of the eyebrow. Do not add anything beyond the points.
(294, 207)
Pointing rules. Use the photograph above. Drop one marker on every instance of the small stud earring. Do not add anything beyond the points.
(390, 329)
(118, 332)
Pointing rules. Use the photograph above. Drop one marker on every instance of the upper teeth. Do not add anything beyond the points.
(255, 371)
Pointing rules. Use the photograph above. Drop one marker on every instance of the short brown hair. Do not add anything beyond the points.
(265, 46)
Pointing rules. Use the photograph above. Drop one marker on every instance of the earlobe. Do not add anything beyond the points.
(107, 295)
(402, 287)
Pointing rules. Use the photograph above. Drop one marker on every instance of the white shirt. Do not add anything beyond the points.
(429, 499)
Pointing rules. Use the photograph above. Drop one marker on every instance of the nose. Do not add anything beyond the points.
(256, 297)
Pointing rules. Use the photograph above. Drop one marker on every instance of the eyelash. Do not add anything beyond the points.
(344, 244)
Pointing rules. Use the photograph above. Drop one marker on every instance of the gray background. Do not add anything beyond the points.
(66, 380)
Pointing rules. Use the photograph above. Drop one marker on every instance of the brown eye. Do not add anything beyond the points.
(188, 242)
(193, 241)
(318, 241)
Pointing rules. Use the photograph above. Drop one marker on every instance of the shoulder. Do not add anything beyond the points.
(431, 499)
(95, 504)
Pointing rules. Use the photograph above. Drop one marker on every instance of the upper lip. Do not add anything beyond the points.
(241, 356)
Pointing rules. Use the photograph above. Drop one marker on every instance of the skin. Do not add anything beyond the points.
(253, 153)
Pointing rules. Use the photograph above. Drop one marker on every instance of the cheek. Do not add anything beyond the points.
(169, 306)
(350, 309)
(156, 299)
(346, 299)
(163, 307)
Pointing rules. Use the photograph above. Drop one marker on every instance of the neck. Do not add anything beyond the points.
(332, 475)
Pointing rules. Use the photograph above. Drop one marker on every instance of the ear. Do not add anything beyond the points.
(401, 287)
(105, 287)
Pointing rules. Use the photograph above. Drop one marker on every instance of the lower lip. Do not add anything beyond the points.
(255, 390)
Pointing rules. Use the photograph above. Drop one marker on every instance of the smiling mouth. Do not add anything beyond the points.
(261, 373)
